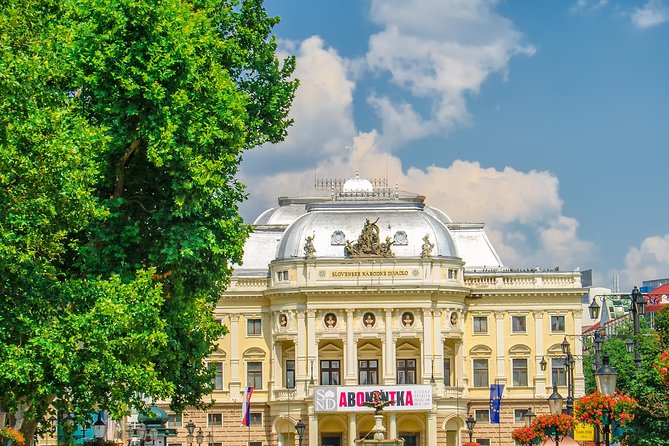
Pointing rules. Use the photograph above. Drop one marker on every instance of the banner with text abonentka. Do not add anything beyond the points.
(352, 398)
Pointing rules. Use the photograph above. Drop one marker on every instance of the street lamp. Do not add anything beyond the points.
(543, 364)
(141, 433)
(606, 378)
(153, 435)
(190, 428)
(569, 368)
(555, 406)
(529, 415)
(199, 437)
(637, 308)
(53, 423)
(299, 427)
(99, 427)
(471, 422)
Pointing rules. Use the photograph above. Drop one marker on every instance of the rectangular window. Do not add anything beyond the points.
(255, 443)
(218, 377)
(447, 371)
(174, 420)
(518, 324)
(290, 374)
(210, 444)
(481, 373)
(558, 372)
(519, 372)
(256, 419)
(253, 327)
(330, 372)
(406, 371)
(214, 419)
(519, 415)
(483, 441)
(480, 324)
(482, 415)
(368, 371)
(452, 273)
(557, 324)
(254, 375)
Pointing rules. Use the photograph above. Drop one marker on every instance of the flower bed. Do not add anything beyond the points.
(546, 425)
(12, 435)
(525, 435)
(662, 366)
(471, 443)
(592, 408)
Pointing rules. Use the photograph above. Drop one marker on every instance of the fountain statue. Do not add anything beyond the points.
(378, 433)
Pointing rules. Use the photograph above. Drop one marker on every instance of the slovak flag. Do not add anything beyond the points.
(246, 407)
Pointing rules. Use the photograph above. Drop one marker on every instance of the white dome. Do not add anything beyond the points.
(330, 227)
(358, 184)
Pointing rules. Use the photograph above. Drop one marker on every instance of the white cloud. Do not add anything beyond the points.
(653, 13)
(322, 112)
(522, 210)
(438, 51)
(648, 261)
(588, 5)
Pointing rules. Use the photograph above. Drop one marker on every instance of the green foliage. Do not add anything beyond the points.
(651, 424)
(121, 130)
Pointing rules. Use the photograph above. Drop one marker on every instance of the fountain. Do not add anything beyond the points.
(379, 431)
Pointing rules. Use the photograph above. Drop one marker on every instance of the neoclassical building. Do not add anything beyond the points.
(358, 287)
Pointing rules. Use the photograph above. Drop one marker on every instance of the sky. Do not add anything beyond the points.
(546, 120)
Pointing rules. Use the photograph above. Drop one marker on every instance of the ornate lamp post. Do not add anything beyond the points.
(299, 427)
(190, 428)
(141, 433)
(99, 427)
(637, 308)
(53, 424)
(529, 416)
(606, 378)
(555, 406)
(471, 422)
(569, 368)
(199, 437)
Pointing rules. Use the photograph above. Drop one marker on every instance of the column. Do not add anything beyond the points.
(392, 425)
(500, 376)
(540, 375)
(432, 427)
(312, 344)
(352, 429)
(438, 357)
(277, 359)
(459, 366)
(389, 351)
(235, 384)
(313, 430)
(428, 347)
(579, 379)
(349, 363)
(301, 356)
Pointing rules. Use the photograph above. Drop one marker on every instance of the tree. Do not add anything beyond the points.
(122, 126)
(651, 424)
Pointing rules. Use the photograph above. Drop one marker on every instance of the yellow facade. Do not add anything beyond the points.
(310, 322)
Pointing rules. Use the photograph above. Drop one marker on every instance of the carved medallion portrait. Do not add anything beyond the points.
(407, 319)
(369, 320)
(330, 320)
(454, 318)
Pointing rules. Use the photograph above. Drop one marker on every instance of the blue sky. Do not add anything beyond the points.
(547, 120)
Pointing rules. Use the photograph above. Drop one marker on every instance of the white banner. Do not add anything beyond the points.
(351, 398)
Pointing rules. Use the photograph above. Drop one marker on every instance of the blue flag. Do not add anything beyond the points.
(496, 391)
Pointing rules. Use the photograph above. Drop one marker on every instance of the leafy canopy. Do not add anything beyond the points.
(122, 126)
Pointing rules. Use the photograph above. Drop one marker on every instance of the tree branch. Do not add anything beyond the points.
(120, 168)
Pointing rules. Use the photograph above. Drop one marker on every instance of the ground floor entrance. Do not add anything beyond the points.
(331, 440)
